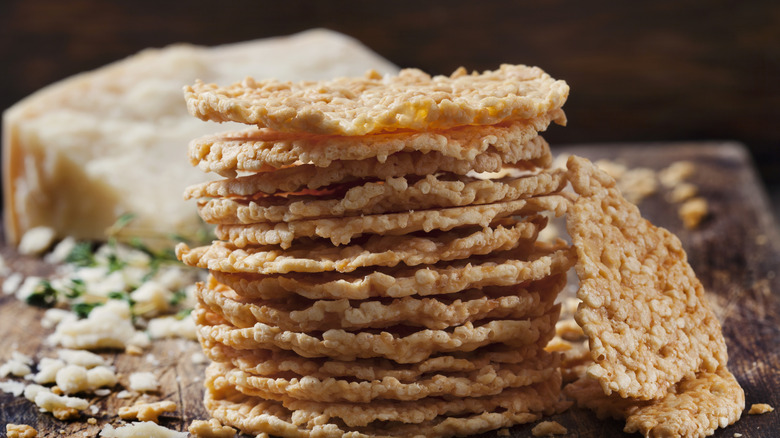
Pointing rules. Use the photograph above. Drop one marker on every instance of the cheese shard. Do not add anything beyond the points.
(82, 152)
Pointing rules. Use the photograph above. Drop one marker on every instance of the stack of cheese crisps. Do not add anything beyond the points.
(377, 269)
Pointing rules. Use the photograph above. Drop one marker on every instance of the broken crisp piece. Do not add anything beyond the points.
(693, 408)
(760, 408)
(146, 411)
(643, 309)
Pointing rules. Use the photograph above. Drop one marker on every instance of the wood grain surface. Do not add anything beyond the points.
(735, 252)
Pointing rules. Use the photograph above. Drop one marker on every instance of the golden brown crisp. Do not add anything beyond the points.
(760, 408)
(210, 429)
(254, 415)
(695, 407)
(20, 431)
(506, 269)
(269, 363)
(341, 230)
(264, 150)
(491, 379)
(643, 309)
(371, 104)
(439, 312)
(146, 411)
(402, 347)
(319, 256)
(377, 197)
(549, 428)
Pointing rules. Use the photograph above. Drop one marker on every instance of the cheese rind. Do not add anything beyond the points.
(80, 153)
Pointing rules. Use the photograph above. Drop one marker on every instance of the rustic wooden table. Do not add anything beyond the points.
(735, 252)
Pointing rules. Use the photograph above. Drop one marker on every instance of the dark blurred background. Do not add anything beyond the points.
(639, 71)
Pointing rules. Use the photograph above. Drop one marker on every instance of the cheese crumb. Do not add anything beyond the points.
(20, 431)
(676, 173)
(760, 408)
(140, 429)
(86, 359)
(171, 327)
(549, 428)
(18, 365)
(62, 407)
(143, 382)
(107, 326)
(12, 387)
(36, 240)
(210, 429)
(146, 411)
(693, 211)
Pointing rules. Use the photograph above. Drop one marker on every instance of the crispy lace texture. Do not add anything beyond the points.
(488, 380)
(403, 348)
(341, 230)
(440, 279)
(474, 415)
(643, 309)
(371, 104)
(376, 251)
(296, 313)
(263, 150)
(271, 363)
(377, 197)
(694, 407)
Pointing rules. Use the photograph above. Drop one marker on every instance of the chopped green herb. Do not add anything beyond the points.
(183, 313)
(121, 296)
(77, 288)
(44, 295)
(121, 222)
(178, 297)
(115, 263)
(83, 309)
(82, 255)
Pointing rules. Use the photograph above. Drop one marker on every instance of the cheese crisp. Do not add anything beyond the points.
(376, 103)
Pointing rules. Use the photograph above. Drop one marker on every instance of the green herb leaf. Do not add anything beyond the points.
(183, 313)
(44, 295)
(82, 255)
(83, 309)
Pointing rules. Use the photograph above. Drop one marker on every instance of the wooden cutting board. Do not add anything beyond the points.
(735, 252)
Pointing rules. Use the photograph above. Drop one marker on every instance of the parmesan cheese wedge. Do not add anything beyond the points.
(80, 153)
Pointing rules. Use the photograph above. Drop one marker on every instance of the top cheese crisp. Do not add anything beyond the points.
(374, 103)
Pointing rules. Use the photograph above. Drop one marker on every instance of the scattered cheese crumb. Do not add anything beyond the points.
(676, 173)
(61, 251)
(760, 408)
(18, 365)
(36, 240)
(86, 359)
(199, 358)
(146, 411)
(143, 382)
(12, 283)
(92, 421)
(682, 192)
(549, 428)
(693, 211)
(140, 429)
(11, 387)
(62, 407)
(172, 327)
(107, 326)
(124, 394)
(73, 379)
(210, 429)
(20, 431)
